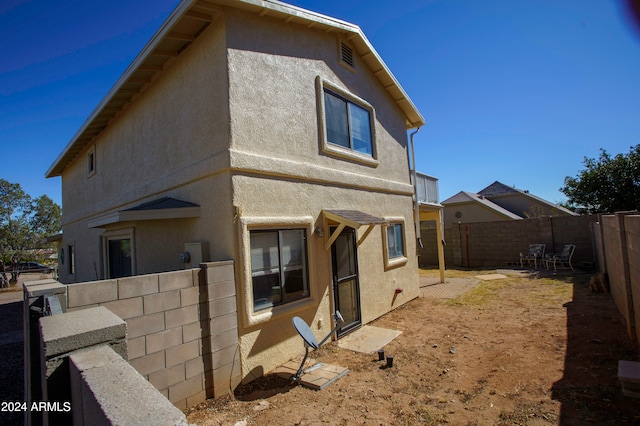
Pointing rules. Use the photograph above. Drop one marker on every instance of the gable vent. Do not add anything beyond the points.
(346, 55)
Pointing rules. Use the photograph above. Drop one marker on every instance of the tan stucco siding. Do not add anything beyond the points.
(170, 141)
(158, 243)
(274, 96)
(472, 212)
(274, 203)
(180, 121)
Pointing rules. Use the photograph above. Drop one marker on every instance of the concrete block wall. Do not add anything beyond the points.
(107, 390)
(491, 244)
(615, 264)
(621, 242)
(62, 335)
(632, 228)
(181, 327)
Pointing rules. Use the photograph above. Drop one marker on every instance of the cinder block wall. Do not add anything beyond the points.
(182, 331)
(632, 228)
(490, 244)
(621, 241)
(615, 263)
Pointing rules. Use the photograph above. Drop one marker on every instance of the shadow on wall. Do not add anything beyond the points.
(11, 360)
(589, 391)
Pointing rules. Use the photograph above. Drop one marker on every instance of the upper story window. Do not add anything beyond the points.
(347, 125)
(91, 162)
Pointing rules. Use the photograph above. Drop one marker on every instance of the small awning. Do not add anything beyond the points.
(351, 218)
(162, 208)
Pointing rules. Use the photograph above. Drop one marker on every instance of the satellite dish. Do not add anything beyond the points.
(310, 340)
(305, 332)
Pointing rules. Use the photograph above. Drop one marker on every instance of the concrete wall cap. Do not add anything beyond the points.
(80, 329)
(41, 287)
(121, 392)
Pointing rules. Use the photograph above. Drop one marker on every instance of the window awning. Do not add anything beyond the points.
(162, 208)
(351, 218)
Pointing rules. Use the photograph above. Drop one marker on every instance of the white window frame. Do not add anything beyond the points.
(119, 234)
(337, 150)
(250, 316)
(394, 262)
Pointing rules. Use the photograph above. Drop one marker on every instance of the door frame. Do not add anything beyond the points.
(357, 323)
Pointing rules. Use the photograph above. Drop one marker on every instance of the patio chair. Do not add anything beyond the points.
(563, 259)
(536, 251)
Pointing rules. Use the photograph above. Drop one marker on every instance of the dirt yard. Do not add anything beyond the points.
(514, 351)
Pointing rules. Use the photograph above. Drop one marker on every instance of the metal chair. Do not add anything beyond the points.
(536, 251)
(563, 259)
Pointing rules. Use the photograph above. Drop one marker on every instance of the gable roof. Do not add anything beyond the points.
(189, 19)
(498, 189)
(464, 197)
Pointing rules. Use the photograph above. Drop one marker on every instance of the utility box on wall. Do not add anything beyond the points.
(196, 254)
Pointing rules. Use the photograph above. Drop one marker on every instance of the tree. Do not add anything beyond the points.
(45, 218)
(607, 184)
(25, 222)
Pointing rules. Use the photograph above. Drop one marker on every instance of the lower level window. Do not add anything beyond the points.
(71, 262)
(395, 242)
(278, 267)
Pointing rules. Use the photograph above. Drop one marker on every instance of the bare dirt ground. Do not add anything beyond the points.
(514, 351)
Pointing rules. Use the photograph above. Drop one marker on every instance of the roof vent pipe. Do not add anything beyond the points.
(416, 213)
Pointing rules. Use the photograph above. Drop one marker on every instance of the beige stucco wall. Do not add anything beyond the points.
(266, 342)
(471, 213)
(255, 159)
(273, 75)
(170, 141)
(282, 178)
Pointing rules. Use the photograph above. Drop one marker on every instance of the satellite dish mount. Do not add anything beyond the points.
(310, 339)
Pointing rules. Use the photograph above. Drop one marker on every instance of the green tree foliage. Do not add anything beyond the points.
(25, 222)
(607, 184)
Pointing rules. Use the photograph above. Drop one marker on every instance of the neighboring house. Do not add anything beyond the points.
(258, 132)
(498, 202)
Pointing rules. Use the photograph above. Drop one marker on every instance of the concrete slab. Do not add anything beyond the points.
(368, 339)
(317, 377)
(450, 289)
(489, 277)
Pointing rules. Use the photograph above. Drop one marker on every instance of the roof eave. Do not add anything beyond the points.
(99, 119)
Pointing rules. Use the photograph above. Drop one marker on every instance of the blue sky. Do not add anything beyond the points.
(514, 91)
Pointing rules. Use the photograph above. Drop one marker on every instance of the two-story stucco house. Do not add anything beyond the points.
(257, 132)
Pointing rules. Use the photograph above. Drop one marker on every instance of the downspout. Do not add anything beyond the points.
(416, 212)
